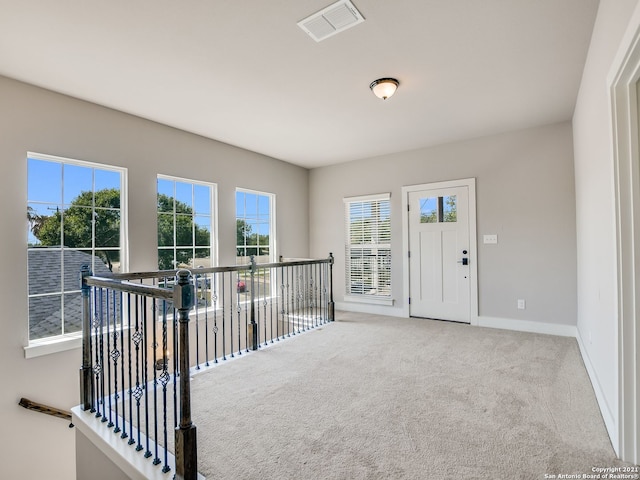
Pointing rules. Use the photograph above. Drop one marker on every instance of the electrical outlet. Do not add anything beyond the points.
(521, 304)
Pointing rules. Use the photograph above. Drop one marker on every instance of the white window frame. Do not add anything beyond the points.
(375, 298)
(214, 216)
(69, 341)
(272, 219)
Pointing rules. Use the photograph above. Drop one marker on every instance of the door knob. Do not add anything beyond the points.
(464, 261)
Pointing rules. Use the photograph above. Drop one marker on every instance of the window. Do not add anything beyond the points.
(368, 246)
(185, 223)
(254, 226)
(76, 216)
(439, 209)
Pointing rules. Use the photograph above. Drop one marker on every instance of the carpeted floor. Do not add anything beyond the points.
(373, 397)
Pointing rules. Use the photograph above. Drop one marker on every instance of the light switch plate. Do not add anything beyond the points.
(490, 238)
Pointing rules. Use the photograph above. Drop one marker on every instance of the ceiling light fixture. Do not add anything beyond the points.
(384, 87)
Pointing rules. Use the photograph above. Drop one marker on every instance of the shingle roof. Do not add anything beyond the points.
(45, 313)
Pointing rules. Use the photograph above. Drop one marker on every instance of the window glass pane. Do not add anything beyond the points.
(45, 316)
(44, 266)
(184, 258)
(73, 262)
(107, 228)
(165, 195)
(72, 312)
(202, 195)
(44, 224)
(78, 185)
(429, 210)
(107, 180)
(184, 197)
(251, 205)
(263, 207)
(450, 209)
(165, 259)
(184, 230)
(107, 198)
(78, 227)
(107, 260)
(240, 204)
(165, 230)
(202, 257)
(44, 181)
(203, 230)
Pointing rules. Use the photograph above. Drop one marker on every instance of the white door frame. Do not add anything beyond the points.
(470, 183)
(623, 83)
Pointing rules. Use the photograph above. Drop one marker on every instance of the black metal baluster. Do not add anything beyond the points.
(214, 294)
(138, 392)
(97, 294)
(272, 283)
(115, 355)
(122, 370)
(206, 319)
(105, 410)
(247, 306)
(264, 302)
(130, 350)
(145, 373)
(224, 312)
(101, 362)
(195, 279)
(164, 380)
(154, 316)
(279, 302)
(231, 308)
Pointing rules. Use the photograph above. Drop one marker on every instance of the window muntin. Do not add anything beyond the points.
(185, 223)
(368, 246)
(254, 226)
(75, 217)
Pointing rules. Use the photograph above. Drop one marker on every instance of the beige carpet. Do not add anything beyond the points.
(372, 397)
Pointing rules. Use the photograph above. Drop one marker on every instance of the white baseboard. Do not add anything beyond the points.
(528, 326)
(369, 308)
(605, 410)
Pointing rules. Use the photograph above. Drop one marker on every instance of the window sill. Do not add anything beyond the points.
(370, 299)
(39, 348)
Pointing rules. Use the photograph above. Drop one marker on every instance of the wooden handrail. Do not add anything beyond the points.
(46, 409)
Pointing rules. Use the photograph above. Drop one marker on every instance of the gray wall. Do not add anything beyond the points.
(525, 194)
(595, 216)
(32, 119)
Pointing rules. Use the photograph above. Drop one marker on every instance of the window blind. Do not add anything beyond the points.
(368, 245)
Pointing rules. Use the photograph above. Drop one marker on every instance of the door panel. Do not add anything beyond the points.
(438, 243)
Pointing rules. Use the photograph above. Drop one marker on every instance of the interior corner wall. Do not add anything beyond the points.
(37, 120)
(595, 209)
(525, 195)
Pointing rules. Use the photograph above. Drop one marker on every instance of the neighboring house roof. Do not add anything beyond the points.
(45, 313)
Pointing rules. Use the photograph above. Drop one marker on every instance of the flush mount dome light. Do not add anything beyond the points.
(384, 87)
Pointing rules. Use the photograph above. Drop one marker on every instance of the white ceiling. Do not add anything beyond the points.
(243, 72)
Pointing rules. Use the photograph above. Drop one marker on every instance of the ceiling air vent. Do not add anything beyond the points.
(331, 20)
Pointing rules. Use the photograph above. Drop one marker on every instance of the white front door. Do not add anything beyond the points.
(439, 254)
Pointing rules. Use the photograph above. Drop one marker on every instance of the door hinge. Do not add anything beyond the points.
(409, 300)
(409, 253)
(408, 207)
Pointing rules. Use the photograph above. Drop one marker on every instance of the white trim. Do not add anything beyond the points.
(116, 449)
(51, 345)
(470, 183)
(605, 409)
(367, 198)
(369, 308)
(530, 326)
(370, 299)
(622, 81)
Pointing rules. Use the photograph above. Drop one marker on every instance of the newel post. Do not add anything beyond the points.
(253, 328)
(186, 451)
(86, 373)
(332, 306)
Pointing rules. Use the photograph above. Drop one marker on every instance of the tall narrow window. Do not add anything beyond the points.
(75, 217)
(254, 226)
(368, 246)
(185, 223)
